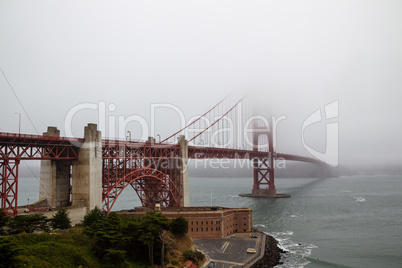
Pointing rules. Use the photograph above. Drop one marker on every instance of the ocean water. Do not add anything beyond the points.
(338, 222)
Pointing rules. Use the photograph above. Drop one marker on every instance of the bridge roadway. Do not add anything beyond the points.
(26, 147)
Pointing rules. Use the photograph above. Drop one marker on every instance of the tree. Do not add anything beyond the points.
(108, 239)
(28, 223)
(179, 226)
(166, 240)
(8, 251)
(147, 238)
(61, 220)
(93, 216)
(4, 218)
(150, 230)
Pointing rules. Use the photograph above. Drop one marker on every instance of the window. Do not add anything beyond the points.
(244, 218)
(244, 230)
(197, 229)
(192, 222)
(201, 222)
(192, 229)
(244, 224)
(206, 229)
(197, 222)
(202, 229)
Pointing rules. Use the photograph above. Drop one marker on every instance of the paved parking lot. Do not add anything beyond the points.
(230, 251)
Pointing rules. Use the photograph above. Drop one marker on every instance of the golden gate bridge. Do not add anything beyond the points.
(93, 171)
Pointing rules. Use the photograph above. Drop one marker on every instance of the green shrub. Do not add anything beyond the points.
(3, 220)
(7, 252)
(93, 216)
(61, 220)
(179, 226)
(115, 257)
(31, 261)
(194, 256)
(45, 250)
(28, 223)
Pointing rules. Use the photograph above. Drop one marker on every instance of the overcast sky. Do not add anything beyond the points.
(299, 56)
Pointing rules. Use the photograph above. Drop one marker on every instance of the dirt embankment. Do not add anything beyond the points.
(176, 246)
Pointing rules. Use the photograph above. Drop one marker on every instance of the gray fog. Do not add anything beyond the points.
(295, 56)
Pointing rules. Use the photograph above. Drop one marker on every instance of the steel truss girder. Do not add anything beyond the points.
(9, 186)
(30, 151)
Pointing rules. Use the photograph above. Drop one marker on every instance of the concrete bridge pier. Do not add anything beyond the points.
(86, 174)
(87, 171)
(54, 178)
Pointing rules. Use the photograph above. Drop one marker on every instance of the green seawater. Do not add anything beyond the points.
(338, 222)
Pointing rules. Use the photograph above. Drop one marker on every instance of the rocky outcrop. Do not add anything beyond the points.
(272, 255)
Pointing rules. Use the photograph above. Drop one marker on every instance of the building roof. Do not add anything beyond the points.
(187, 209)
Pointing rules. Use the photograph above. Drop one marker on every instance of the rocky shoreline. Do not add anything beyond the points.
(272, 254)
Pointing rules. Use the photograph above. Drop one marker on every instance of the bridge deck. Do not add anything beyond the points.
(26, 146)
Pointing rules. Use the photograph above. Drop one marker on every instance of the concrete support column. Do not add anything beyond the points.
(87, 170)
(184, 192)
(54, 178)
(151, 140)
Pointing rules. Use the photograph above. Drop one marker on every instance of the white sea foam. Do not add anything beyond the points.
(296, 215)
(295, 251)
(359, 199)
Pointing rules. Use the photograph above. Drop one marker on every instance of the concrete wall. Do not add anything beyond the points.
(76, 214)
(87, 170)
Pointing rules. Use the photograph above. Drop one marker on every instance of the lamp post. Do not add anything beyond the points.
(129, 135)
(19, 123)
(159, 136)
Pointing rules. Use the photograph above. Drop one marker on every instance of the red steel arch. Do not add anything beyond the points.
(150, 184)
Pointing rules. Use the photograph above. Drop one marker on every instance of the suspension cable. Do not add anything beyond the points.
(193, 121)
(217, 120)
